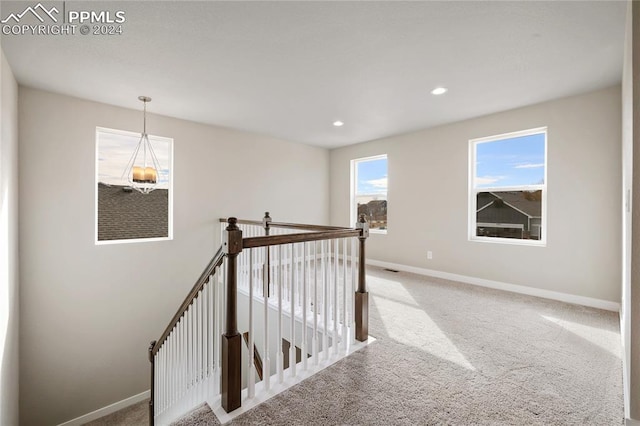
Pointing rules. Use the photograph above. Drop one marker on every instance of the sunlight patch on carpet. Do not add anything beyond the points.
(605, 339)
(392, 290)
(412, 326)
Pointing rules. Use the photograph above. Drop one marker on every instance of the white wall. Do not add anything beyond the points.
(90, 311)
(9, 360)
(631, 125)
(428, 200)
(627, 190)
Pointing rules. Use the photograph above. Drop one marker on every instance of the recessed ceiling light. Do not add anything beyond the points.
(439, 91)
(338, 123)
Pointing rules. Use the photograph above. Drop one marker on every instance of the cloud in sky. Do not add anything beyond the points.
(487, 180)
(373, 186)
(529, 166)
(379, 183)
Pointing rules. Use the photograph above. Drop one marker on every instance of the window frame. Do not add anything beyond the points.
(473, 190)
(152, 138)
(353, 209)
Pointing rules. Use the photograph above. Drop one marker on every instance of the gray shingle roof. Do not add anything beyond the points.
(129, 214)
(531, 206)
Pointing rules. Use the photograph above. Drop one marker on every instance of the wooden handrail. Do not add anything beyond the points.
(274, 240)
(216, 261)
(289, 225)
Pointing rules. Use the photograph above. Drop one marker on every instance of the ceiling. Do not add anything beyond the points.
(290, 69)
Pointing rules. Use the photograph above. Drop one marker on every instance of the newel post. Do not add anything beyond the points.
(362, 296)
(266, 223)
(231, 340)
(153, 384)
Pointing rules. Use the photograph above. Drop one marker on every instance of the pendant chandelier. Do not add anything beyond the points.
(142, 170)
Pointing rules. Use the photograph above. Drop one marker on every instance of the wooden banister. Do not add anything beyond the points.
(274, 240)
(303, 226)
(216, 261)
(228, 337)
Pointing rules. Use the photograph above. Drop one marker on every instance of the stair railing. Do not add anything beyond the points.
(310, 277)
(185, 360)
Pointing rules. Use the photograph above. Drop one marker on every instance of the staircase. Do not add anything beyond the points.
(295, 293)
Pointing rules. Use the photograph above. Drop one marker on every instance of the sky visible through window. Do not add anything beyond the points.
(372, 177)
(115, 150)
(511, 162)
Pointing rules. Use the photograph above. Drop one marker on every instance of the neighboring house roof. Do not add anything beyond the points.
(129, 214)
(532, 207)
(374, 208)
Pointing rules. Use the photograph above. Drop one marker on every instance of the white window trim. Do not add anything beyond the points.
(152, 138)
(353, 211)
(472, 191)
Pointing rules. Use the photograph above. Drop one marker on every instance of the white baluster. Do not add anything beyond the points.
(163, 379)
(189, 350)
(251, 388)
(223, 308)
(203, 341)
(182, 356)
(212, 322)
(167, 343)
(172, 372)
(174, 368)
(159, 379)
(292, 348)
(353, 290)
(344, 293)
(325, 297)
(198, 339)
(259, 268)
(279, 353)
(336, 339)
(219, 318)
(314, 338)
(156, 382)
(305, 281)
(266, 364)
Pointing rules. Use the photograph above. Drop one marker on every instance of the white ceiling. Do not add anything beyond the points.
(289, 69)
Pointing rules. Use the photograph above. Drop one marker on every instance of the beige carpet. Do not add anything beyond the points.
(454, 354)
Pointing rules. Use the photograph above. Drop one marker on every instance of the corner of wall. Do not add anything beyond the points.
(9, 297)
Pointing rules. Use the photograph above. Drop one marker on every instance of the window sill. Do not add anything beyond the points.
(509, 241)
(133, 240)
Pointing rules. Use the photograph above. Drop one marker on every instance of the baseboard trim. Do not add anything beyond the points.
(513, 288)
(116, 406)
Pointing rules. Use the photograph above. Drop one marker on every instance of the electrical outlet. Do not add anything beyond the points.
(429, 255)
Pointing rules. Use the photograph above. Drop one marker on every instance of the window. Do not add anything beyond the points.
(508, 187)
(369, 191)
(123, 214)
